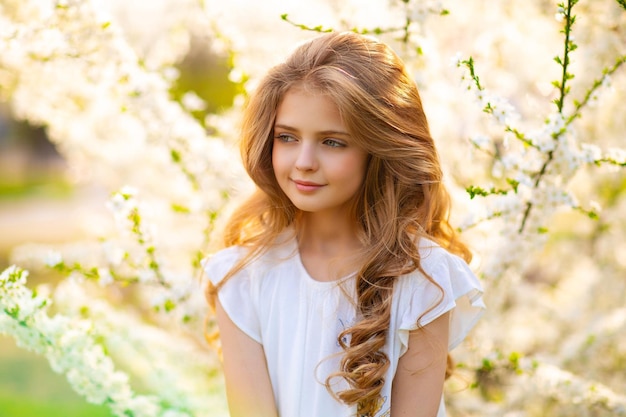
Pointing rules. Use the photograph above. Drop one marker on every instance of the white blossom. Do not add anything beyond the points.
(481, 141)
(595, 206)
(590, 153)
(105, 277)
(70, 347)
(616, 154)
(53, 258)
(193, 102)
(455, 60)
(555, 123)
(102, 89)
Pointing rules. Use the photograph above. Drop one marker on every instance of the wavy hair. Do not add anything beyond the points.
(402, 197)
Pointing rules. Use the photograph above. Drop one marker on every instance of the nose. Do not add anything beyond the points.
(307, 158)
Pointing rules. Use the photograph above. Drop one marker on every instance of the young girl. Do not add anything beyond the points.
(342, 286)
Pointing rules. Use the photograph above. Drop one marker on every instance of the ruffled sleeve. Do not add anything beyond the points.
(419, 299)
(237, 295)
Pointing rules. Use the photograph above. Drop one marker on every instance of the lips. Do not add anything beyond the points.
(307, 186)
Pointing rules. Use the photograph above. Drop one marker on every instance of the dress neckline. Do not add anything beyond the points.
(295, 250)
(317, 282)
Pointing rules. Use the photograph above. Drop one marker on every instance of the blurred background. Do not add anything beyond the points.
(41, 202)
(38, 203)
(564, 304)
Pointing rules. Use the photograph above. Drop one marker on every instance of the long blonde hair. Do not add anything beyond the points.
(402, 196)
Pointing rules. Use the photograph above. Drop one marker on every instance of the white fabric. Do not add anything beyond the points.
(297, 319)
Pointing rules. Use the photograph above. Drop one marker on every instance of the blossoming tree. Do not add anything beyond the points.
(528, 119)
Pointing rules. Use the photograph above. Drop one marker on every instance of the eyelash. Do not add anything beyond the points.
(284, 137)
(333, 143)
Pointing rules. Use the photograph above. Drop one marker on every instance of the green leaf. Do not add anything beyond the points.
(169, 305)
(513, 183)
(473, 191)
(178, 208)
(514, 360)
(488, 365)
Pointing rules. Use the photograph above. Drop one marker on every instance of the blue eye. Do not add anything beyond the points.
(333, 143)
(284, 137)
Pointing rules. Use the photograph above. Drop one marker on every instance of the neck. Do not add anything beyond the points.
(332, 235)
(329, 246)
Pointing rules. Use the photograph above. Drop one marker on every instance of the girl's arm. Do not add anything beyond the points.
(248, 385)
(418, 383)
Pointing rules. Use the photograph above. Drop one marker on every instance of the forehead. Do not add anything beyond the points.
(308, 107)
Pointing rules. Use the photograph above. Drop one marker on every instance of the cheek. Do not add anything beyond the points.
(275, 160)
(353, 169)
(279, 162)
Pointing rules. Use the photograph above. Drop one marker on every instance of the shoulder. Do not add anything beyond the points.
(217, 265)
(433, 257)
(444, 283)
(439, 271)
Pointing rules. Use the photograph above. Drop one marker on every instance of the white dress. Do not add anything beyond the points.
(297, 319)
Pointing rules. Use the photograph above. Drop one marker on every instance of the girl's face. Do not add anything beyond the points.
(316, 163)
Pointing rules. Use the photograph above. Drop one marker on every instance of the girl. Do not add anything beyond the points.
(342, 286)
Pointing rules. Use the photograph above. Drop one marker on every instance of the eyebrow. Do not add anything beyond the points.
(323, 132)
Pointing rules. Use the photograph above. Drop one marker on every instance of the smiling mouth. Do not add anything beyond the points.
(307, 185)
